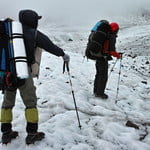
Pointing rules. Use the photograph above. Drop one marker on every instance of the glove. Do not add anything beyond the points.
(66, 58)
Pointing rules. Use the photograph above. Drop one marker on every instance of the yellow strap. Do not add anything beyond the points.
(6, 115)
(31, 115)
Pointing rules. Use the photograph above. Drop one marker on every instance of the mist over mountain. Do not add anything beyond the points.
(76, 12)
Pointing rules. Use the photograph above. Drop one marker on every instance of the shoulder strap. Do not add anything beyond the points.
(35, 39)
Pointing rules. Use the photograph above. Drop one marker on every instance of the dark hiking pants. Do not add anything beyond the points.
(101, 76)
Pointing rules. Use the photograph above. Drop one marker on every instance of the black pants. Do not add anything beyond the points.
(101, 76)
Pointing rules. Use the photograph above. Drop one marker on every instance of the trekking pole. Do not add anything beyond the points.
(112, 69)
(67, 66)
(118, 80)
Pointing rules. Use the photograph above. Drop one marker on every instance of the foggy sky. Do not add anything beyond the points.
(72, 10)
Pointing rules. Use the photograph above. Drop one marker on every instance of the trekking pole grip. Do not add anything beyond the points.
(65, 66)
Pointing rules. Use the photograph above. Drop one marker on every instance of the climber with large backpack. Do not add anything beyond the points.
(101, 48)
(33, 38)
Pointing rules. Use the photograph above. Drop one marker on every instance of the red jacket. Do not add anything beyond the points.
(109, 46)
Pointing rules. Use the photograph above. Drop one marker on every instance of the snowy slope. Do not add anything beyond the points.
(103, 121)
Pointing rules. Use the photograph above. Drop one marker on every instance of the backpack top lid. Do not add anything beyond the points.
(29, 18)
(2, 25)
(105, 21)
(114, 27)
(102, 25)
(2, 28)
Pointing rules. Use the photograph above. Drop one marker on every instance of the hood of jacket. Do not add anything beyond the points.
(29, 18)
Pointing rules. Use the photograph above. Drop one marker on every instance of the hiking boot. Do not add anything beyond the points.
(8, 136)
(103, 96)
(33, 137)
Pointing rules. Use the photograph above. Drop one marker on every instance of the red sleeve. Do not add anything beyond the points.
(115, 54)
